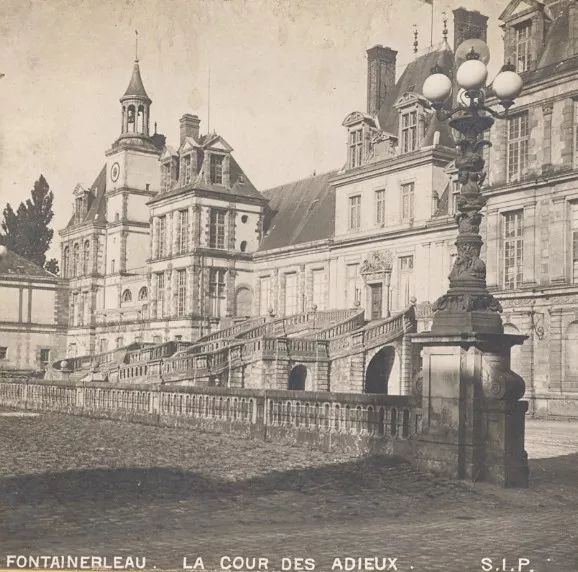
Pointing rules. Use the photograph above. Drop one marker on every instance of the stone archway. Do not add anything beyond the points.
(378, 371)
(298, 378)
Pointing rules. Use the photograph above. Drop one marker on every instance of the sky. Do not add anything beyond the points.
(283, 76)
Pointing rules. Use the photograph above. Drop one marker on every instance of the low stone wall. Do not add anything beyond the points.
(329, 421)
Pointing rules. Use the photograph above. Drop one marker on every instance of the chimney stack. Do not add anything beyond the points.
(190, 126)
(380, 76)
(469, 24)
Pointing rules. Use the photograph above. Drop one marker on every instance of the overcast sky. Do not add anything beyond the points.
(284, 74)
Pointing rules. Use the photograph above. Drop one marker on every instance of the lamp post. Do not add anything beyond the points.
(472, 416)
(467, 306)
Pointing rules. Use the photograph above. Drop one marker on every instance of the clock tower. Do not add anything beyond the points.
(132, 179)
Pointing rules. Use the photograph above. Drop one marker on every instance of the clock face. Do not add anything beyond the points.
(115, 172)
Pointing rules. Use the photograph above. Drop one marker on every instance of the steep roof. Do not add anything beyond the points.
(299, 212)
(412, 80)
(14, 264)
(96, 212)
(135, 87)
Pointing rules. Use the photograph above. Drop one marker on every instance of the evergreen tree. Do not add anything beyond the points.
(26, 231)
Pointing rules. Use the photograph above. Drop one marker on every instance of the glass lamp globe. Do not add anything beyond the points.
(507, 85)
(63, 364)
(472, 74)
(437, 88)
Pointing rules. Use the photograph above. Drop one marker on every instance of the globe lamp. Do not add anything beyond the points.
(472, 74)
(507, 85)
(437, 88)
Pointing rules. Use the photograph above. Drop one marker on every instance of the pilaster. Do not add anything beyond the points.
(558, 273)
(529, 254)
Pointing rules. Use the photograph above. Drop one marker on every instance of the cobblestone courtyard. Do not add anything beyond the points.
(71, 485)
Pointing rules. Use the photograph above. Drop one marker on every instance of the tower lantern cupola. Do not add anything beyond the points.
(135, 106)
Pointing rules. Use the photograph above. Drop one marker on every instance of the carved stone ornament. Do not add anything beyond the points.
(377, 263)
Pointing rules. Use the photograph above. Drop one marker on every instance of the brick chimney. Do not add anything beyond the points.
(469, 24)
(380, 76)
(190, 126)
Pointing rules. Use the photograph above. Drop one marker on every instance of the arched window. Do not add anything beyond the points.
(243, 246)
(127, 296)
(86, 258)
(131, 119)
(66, 263)
(143, 293)
(76, 260)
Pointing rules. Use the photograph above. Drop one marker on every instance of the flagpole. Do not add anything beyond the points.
(432, 14)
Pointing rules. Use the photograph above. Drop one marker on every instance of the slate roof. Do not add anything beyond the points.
(14, 264)
(411, 80)
(96, 212)
(135, 87)
(299, 212)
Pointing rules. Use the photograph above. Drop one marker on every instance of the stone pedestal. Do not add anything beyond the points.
(472, 419)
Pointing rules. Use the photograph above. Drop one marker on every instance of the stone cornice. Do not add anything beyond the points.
(176, 195)
(438, 154)
(538, 182)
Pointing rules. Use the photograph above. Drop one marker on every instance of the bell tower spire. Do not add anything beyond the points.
(135, 102)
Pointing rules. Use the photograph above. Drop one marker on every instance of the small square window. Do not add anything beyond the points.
(45, 356)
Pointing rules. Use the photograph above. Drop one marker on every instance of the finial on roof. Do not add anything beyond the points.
(155, 127)
(136, 46)
(445, 29)
(415, 42)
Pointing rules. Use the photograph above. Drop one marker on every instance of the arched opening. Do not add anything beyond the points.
(297, 378)
(243, 300)
(143, 293)
(243, 246)
(571, 354)
(131, 119)
(516, 351)
(379, 370)
(127, 296)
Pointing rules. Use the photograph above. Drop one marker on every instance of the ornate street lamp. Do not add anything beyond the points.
(467, 306)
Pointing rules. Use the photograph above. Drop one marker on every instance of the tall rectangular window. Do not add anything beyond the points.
(291, 294)
(166, 178)
(513, 249)
(355, 148)
(355, 212)
(217, 169)
(407, 199)
(181, 292)
(161, 245)
(409, 131)
(187, 171)
(264, 295)
(405, 280)
(160, 295)
(352, 285)
(182, 231)
(518, 137)
(574, 230)
(318, 294)
(216, 291)
(380, 207)
(455, 196)
(217, 229)
(523, 34)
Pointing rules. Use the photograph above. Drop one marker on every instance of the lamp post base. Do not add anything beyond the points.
(450, 322)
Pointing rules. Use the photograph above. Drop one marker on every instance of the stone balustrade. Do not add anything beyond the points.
(330, 421)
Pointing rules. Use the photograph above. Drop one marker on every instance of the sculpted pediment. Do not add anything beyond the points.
(358, 117)
(519, 6)
(377, 262)
(407, 99)
(168, 152)
(218, 144)
(80, 190)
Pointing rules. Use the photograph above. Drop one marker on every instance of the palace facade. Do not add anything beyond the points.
(174, 242)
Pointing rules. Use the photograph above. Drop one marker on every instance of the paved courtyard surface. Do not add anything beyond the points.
(79, 486)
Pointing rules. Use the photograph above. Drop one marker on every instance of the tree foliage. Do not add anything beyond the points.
(26, 231)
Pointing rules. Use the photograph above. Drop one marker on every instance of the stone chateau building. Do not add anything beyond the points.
(172, 241)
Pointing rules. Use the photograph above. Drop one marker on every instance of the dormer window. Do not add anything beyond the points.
(409, 131)
(217, 169)
(523, 35)
(187, 169)
(355, 148)
(166, 178)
